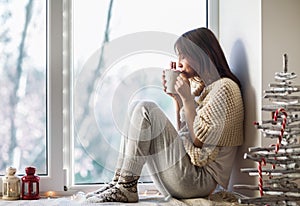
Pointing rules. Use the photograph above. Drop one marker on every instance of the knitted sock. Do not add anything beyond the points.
(107, 186)
(124, 191)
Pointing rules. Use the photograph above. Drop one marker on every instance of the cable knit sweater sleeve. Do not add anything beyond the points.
(220, 115)
(219, 121)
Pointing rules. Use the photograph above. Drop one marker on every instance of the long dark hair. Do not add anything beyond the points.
(205, 55)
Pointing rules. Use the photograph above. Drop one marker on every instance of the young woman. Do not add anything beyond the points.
(189, 161)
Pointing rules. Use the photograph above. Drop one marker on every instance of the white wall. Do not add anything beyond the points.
(281, 34)
(254, 35)
(240, 36)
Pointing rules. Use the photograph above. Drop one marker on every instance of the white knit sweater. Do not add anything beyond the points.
(219, 121)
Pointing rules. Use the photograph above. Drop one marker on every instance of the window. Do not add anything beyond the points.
(57, 122)
(23, 85)
(119, 51)
(31, 82)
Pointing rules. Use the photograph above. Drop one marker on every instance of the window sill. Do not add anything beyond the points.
(143, 188)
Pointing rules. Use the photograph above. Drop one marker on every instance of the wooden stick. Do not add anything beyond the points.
(268, 199)
(289, 155)
(281, 153)
(288, 108)
(271, 133)
(271, 171)
(281, 84)
(295, 147)
(273, 161)
(289, 138)
(285, 63)
(288, 87)
(275, 189)
(279, 76)
(284, 180)
(283, 90)
(282, 97)
(289, 127)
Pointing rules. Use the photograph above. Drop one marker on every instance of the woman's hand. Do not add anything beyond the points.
(183, 88)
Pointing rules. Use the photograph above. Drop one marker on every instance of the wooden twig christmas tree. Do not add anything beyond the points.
(278, 167)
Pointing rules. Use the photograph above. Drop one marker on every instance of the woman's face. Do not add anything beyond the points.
(185, 67)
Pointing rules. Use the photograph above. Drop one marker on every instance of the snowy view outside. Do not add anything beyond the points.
(119, 51)
(101, 93)
(23, 85)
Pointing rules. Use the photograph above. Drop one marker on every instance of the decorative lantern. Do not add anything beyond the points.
(10, 185)
(30, 185)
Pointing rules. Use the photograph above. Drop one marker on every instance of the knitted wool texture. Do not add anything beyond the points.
(200, 156)
(219, 121)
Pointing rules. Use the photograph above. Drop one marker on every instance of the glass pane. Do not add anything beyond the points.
(137, 39)
(23, 85)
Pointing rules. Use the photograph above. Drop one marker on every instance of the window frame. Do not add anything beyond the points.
(213, 16)
(60, 141)
(55, 180)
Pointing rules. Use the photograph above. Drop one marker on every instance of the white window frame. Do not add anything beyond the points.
(60, 139)
(213, 16)
(55, 180)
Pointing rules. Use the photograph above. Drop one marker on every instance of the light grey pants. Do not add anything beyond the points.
(150, 138)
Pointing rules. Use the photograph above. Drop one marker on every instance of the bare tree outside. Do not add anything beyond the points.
(103, 89)
(23, 79)
(23, 85)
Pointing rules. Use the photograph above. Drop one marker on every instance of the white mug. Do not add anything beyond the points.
(171, 78)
